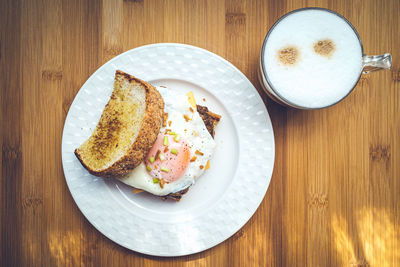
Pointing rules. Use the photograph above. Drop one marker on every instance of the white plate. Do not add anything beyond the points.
(222, 200)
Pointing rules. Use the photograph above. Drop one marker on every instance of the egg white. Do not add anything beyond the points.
(196, 135)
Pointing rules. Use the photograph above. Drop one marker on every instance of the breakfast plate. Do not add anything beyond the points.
(222, 200)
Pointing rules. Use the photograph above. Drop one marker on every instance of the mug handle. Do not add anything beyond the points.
(374, 63)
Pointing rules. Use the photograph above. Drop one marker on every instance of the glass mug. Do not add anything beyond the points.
(310, 75)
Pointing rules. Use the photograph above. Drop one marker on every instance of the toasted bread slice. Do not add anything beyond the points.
(127, 129)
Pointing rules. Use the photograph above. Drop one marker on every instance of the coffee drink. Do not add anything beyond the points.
(312, 58)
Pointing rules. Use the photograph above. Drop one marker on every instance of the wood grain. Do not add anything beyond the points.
(334, 195)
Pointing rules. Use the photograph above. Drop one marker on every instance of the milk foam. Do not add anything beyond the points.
(313, 81)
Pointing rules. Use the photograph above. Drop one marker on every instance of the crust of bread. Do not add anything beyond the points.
(210, 119)
(176, 196)
(146, 137)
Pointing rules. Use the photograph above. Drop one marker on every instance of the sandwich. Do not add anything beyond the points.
(153, 139)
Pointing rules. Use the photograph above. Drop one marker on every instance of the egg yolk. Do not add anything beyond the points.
(168, 158)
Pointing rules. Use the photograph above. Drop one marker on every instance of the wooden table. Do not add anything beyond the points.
(334, 197)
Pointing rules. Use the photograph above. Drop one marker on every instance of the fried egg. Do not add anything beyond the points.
(181, 152)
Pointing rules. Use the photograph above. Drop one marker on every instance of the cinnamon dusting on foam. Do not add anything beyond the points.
(289, 55)
(324, 47)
